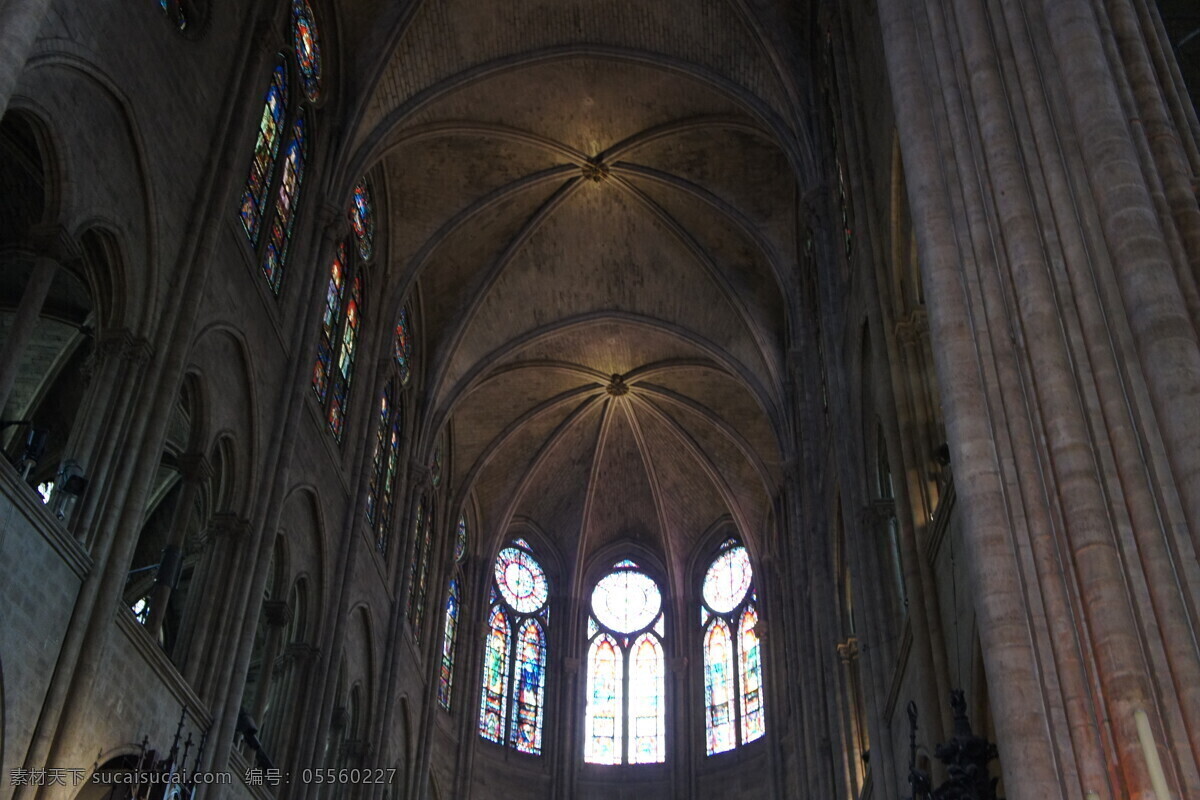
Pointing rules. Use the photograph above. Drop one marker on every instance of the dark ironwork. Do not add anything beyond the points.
(966, 757)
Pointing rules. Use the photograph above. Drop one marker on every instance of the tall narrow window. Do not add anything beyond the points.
(266, 153)
(404, 346)
(625, 715)
(343, 375)
(513, 712)
(337, 348)
(453, 603)
(362, 220)
(418, 568)
(280, 238)
(384, 465)
(330, 324)
(278, 218)
(733, 680)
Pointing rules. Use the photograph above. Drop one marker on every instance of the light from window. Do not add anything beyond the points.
(625, 714)
(733, 681)
(516, 648)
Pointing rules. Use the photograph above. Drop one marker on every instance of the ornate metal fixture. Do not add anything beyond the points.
(966, 757)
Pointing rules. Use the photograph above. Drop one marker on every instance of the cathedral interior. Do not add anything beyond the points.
(439, 399)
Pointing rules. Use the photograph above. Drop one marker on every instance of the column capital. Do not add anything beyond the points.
(848, 650)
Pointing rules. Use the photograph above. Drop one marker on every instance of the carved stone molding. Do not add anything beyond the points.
(617, 386)
(595, 171)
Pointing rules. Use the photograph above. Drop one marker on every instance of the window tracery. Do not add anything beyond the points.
(279, 218)
(735, 711)
(512, 703)
(625, 715)
(452, 609)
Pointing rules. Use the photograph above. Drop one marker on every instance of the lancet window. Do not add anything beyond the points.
(452, 608)
(512, 705)
(735, 712)
(625, 715)
(271, 193)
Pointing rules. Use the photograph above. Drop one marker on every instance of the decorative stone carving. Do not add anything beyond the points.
(617, 386)
(595, 171)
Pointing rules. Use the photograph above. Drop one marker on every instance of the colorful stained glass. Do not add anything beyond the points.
(727, 580)
(449, 633)
(362, 220)
(625, 562)
(343, 376)
(389, 477)
(280, 239)
(404, 346)
(308, 48)
(626, 601)
(720, 721)
(378, 456)
(521, 580)
(750, 673)
(418, 526)
(493, 706)
(528, 688)
(266, 153)
(460, 538)
(603, 718)
(418, 616)
(647, 706)
(323, 369)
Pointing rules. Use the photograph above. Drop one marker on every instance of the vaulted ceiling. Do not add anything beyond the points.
(596, 203)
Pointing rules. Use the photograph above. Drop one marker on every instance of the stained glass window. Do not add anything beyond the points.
(308, 48)
(497, 655)
(625, 714)
(521, 580)
(529, 688)
(266, 153)
(404, 346)
(387, 502)
(323, 369)
(516, 622)
(750, 672)
(418, 569)
(343, 375)
(176, 11)
(449, 634)
(603, 719)
(279, 240)
(453, 602)
(362, 220)
(384, 464)
(733, 680)
(647, 710)
(718, 688)
(460, 538)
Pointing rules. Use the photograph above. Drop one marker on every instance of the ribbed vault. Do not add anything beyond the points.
(595, 204)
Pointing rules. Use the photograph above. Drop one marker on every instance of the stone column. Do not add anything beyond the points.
(20, 21)
(30, 308)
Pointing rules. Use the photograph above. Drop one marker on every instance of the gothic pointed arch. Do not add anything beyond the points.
(512, 704)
